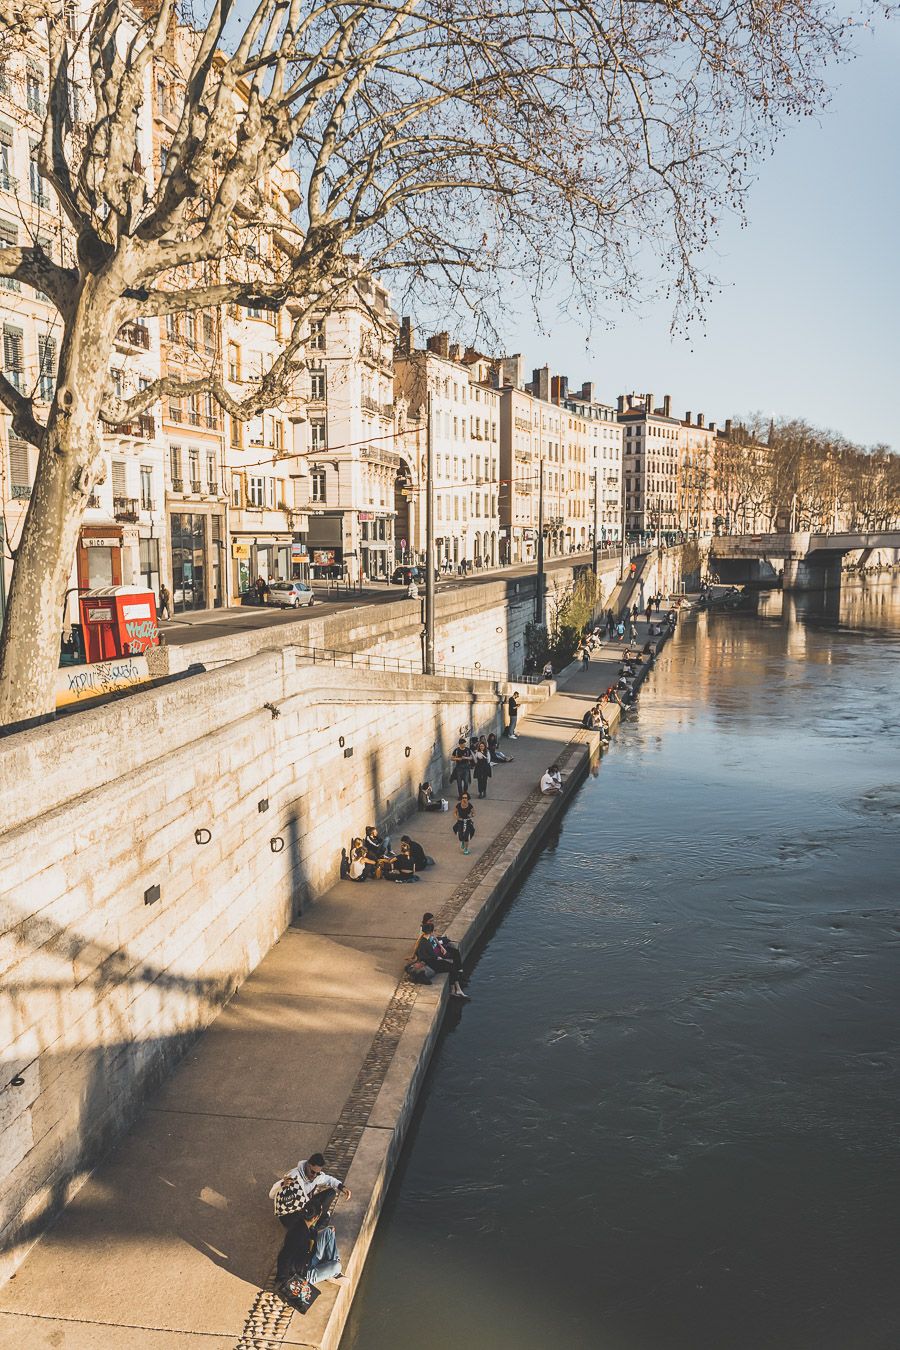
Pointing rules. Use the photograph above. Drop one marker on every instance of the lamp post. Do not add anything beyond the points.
(594, 558)
(539, 596)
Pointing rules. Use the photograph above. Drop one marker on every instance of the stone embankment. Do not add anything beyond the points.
(171, 1240)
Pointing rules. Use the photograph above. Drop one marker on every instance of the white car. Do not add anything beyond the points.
(289, 594)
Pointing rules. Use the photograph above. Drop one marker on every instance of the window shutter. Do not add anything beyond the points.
(47, 355)
(119, 478)
(13, 355)
(19, 476)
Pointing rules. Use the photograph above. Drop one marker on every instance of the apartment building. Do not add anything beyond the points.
(650, 450)
(465, 448)
(696, 476)
(534, 466)
(593, 453)
(741, 482)
(353, 469)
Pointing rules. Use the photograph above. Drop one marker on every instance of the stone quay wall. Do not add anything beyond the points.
(480, 624)
(154, 849)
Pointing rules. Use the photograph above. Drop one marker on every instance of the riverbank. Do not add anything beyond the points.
(323, 1048)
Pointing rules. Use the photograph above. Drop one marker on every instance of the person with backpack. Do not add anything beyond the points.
(433, 954)
(462, 760)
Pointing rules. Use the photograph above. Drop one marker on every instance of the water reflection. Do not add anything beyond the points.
(667, 1119)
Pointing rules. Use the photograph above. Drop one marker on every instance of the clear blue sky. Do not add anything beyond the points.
(806, 323)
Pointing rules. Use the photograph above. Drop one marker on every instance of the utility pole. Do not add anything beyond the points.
(622, 493)
(429, 546)
(539, 597)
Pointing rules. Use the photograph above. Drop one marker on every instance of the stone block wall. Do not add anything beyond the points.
(103, 984)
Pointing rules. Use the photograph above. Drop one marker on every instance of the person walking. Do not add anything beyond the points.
(164, 608)
(634, 632)
(513, 710)
(461, 773)
(464, 825)
(610, 623)
(634, 613)
(620, 630)
(585, 657)
(648, 610)
(482, 768)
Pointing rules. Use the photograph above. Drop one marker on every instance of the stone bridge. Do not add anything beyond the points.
(812, 561)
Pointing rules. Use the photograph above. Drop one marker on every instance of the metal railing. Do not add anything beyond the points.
(398, 665)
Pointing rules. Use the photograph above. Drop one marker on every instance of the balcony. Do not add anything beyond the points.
(20, 491)
(148, 504)
(195, 419)
(133, 337)
(372, 405)
(41, 199)
(213, 489)
(125, 509)
(8, 183)
(178, 485)
(195, 485)
(94, 502)
(142, 428)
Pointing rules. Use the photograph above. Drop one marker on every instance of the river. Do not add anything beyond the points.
(667, 1120)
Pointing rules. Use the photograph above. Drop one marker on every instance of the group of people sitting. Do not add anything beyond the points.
(594, 720)
(372, 859)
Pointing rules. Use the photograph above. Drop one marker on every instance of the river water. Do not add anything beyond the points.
(668, 1118)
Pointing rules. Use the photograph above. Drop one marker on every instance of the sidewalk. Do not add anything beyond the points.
(171, 1242)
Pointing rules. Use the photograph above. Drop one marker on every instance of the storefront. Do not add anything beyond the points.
(325, 542)
(99, 557)
(266, 556)
(198, 546)
(376, 544)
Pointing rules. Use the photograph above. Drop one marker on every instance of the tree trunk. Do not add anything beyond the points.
(30, 641)
(29, 644)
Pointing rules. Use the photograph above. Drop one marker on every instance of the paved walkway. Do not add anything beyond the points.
(171, 1240)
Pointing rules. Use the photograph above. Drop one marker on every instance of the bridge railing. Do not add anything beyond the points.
(332, 656)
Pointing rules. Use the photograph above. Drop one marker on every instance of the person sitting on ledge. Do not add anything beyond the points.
(357, 866)
(551, 781)
(427, 800)
(420, 858)
(436, 957)
(547, 672)
(403, 868)
(496, 754)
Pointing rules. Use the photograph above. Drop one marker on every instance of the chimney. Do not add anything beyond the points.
(512, 371)
(439, 344)
(620, 403)
(648, 402)
(407, 339)
(701, 417)
(559, 388)
(587, 391)
(687, 418)
(455, 351)
(712, 426)
(727, 426)
(667, 405)
(540, 383)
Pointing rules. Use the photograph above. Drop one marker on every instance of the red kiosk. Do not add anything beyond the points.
(118, 621)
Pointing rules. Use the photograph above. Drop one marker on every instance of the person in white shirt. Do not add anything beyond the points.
(312, 1177)
(551, 781)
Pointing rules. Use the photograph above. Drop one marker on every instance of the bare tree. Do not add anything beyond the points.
(442, 140)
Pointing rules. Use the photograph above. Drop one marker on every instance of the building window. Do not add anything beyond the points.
(194, 469)
(47, 362)
(39, 193)
(147, 503)
(270, 493)
(234, 362)
(317, 485)
(317, 335)
(19, 474)
(34, 97)
(317, 433)
(175, 407)
(13, 355)
(236, 494)
(175, 468)
(256, 490)
(6, 178)
(317, 386)
(211, 475)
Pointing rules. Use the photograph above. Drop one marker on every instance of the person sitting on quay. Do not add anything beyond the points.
(356, 870)
(496, 754)
(420, 858)
(431, 951)
(378, 846)
(309, 1254)
(547, 672)
(308, 1177)
(594, 720)
(403, 868)
(551, 781)
(451, 950)
(427, 800)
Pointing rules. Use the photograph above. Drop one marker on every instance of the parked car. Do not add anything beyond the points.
(402, 576)
(289, 594)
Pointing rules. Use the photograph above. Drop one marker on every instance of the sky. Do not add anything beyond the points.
(806, 321)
